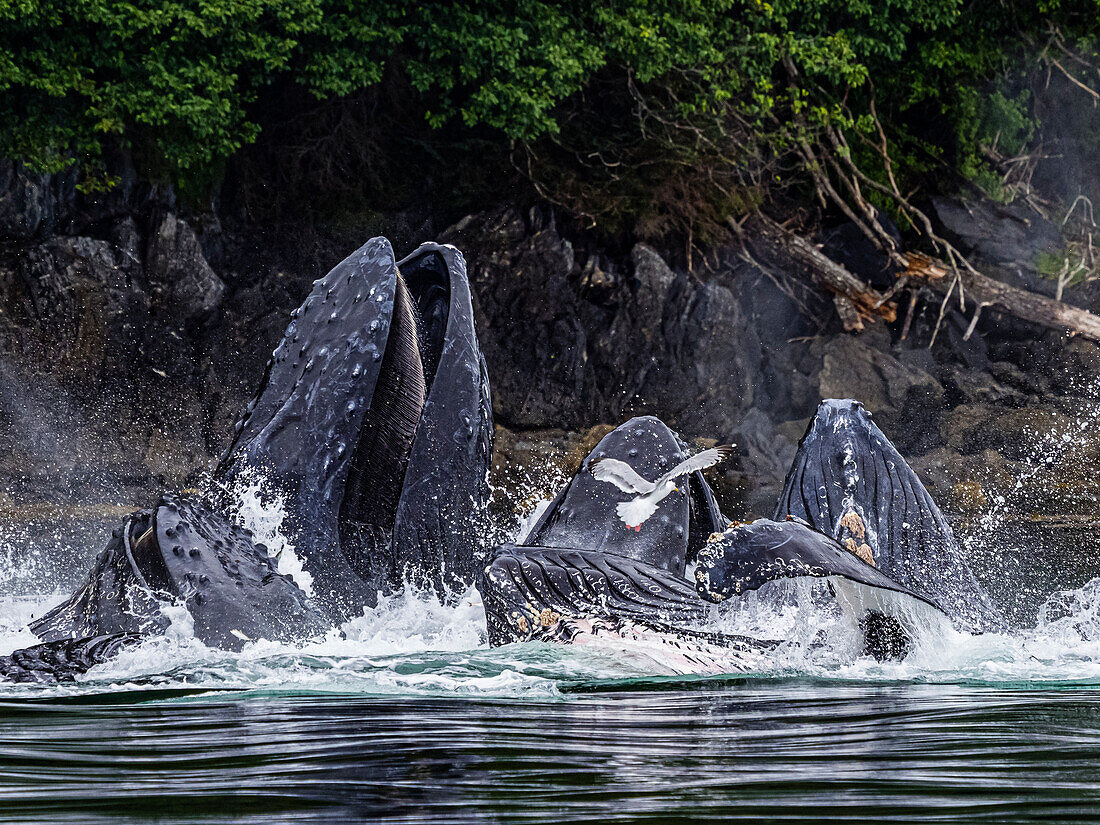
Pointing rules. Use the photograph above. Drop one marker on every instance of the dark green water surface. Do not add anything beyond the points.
(756, 750)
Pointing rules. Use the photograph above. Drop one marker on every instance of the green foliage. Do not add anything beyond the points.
(614, 102)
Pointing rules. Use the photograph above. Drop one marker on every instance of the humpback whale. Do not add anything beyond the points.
(849, 482)
(581, 561)
(852, 512)
(373, 422)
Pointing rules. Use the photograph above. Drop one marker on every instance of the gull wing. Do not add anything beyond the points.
(621, 474)
(699, 461)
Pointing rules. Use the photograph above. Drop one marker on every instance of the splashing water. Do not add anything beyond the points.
(259, 507)
(1049, 448)
(1036, 530)
(414, 644)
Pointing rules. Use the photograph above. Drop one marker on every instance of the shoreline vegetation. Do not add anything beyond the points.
(657, 117)
(714, 212)
(669, 122)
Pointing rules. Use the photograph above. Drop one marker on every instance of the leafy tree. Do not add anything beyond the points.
(671, 112)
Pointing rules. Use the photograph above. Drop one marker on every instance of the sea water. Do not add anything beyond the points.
(405, 714)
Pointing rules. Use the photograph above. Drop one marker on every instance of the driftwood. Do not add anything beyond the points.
(860, 301)
(985, 292)
(863, 302)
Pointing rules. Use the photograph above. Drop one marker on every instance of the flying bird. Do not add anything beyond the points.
(648, 494)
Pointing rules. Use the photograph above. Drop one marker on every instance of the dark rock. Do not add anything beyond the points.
(1002, 234)
(183, 286)
(570, 345)
(1015, 434)
(969, 386)
(679, 349)
(32, 203)
(763, 455)
(1011, 375)
(905, 400)
(211, 238)
(83, 296)
(528, 318)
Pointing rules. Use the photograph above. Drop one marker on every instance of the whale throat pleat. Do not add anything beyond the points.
(377, 470)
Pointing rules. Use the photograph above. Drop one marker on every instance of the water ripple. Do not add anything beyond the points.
(755, 750)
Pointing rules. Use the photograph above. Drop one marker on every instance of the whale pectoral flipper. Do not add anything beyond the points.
(745, 557)
(519, 583)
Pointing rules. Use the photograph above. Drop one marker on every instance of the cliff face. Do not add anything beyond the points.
(131, 336)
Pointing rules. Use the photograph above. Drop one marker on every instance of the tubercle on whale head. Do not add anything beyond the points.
(836, 415)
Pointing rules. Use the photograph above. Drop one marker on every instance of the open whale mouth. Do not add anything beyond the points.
(374, 424)
(380, 459)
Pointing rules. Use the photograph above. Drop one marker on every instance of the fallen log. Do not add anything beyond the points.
(988, 293)
(860, 299)
(982, 291)
(849, 315)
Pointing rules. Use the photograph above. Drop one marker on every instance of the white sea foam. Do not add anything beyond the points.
(261, 508)
(416, 644)
(419, 645)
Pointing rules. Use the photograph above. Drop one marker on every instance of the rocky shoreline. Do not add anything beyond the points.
(133, 331)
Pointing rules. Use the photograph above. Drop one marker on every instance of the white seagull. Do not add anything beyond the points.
(648, 494)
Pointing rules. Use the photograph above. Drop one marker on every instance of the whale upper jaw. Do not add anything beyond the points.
(373, 421)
